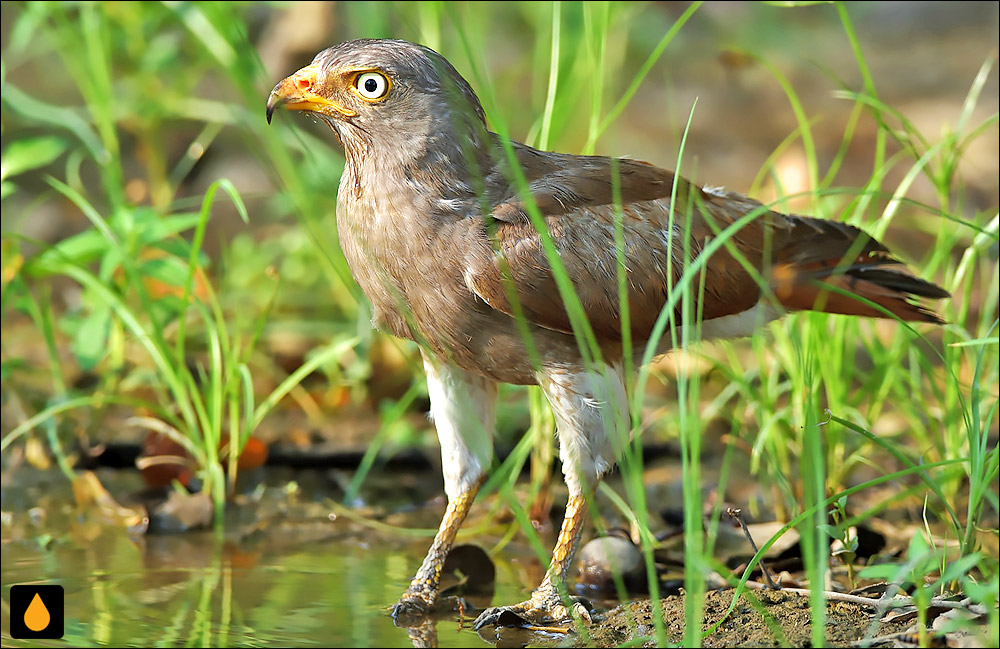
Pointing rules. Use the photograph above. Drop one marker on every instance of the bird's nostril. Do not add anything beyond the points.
(303, 84)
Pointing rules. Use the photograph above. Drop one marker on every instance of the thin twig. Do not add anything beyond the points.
(564, 630)
(903, 639)
(738, 515)
(896, 602)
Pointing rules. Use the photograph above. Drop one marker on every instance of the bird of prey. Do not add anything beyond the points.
(453, 232)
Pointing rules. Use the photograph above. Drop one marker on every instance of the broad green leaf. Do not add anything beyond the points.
(31, 153)
(164, 226)
(960, 567)
(90, 342)
(881, 572)
(81, 248)
(832, 532)
(170, 270)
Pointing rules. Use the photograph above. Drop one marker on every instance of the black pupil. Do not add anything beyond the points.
(371, 85)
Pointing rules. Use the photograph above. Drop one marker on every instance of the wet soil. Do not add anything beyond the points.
(760, 619)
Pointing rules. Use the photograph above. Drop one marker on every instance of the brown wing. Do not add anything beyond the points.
(575, 194)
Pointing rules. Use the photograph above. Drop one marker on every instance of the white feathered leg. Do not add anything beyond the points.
(463, 409)
(591, 412)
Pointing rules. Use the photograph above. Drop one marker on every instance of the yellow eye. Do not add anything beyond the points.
(372, 85)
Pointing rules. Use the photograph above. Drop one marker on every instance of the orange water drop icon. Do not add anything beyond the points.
(37, 616)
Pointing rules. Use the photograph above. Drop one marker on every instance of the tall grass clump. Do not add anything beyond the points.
(942, 383)
(148, 324)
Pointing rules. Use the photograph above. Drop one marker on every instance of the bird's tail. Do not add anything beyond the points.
(828, 266)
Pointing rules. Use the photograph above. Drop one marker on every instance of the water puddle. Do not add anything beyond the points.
(190, 591)
(287, 585)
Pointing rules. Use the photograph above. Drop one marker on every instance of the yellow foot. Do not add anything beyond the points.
(535, 612)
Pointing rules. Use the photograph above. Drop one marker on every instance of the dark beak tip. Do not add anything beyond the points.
(274, 100)
(271, 105)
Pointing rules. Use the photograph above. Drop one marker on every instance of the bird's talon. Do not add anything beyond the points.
(501, 616)
(581, 609)
(410, 609)
(534, 614)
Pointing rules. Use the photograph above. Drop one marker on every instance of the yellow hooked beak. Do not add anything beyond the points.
(298, 92)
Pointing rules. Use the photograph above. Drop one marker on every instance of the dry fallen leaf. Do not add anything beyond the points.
(94, 500)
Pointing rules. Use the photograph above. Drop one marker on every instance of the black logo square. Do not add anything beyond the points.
(37, 612)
